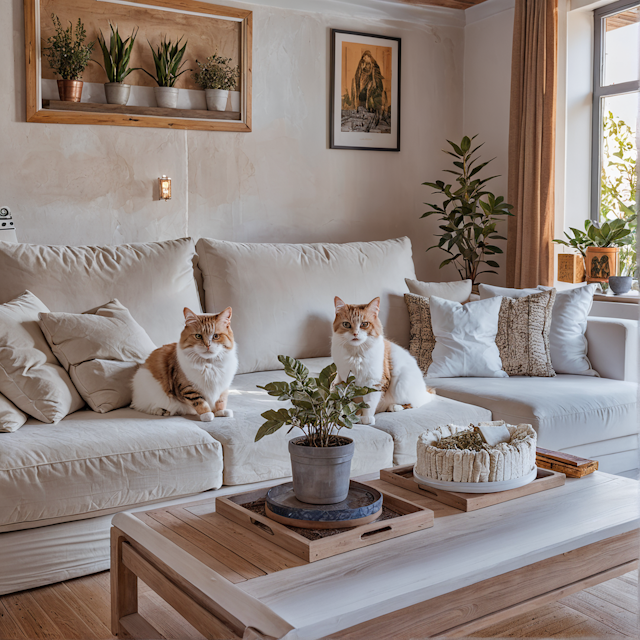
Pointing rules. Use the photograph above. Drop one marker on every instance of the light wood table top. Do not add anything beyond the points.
(263, 587)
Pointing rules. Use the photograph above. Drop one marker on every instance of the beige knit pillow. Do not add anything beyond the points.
(421, 338)
(523, 335)
(101, 349)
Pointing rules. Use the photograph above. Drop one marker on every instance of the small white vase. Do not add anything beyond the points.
(117, 92)
(235, 100)
(216, 99)
(166, 97)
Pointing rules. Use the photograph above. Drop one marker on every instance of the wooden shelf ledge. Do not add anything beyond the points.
(130, 110)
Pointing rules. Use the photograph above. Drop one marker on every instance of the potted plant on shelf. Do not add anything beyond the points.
(469, 215)
(217, 77)
(321, 408)
(68, 57)
(168, 62)
(116, 65)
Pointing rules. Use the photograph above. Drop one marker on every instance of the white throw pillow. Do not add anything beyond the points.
(567, 339)
(30, 375)
(458, 291)
(465, 339)
(11, 418)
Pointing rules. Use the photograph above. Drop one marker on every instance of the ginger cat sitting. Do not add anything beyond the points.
(358, 347)
(192, 376)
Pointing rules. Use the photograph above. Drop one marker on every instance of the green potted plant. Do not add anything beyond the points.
(320, 408)
(468, 215)
(116, 65)
(217, 77)
(68, 57)
(168, 64)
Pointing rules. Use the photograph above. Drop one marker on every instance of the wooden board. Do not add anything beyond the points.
(91, 107)
(413, 518)
(571, 466)
(403, 477)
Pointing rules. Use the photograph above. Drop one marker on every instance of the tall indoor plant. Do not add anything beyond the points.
(168, 65)
(217, 77)
(68, 57)
(116, 65)
(321, 408)
(468, 215)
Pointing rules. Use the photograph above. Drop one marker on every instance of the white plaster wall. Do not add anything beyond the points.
(487, 84)
(73, 184)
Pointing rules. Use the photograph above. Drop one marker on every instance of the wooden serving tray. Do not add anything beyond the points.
(403, 477)
(407, 518)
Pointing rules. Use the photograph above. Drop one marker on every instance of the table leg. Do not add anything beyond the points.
(124, 586)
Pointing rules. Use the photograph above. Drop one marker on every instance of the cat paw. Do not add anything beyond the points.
(396, 407)
(224, 413)
(160, 412)
(206, 417)
(367, 420)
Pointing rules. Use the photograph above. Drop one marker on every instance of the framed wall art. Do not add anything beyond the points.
(365, 91)
(151, 99)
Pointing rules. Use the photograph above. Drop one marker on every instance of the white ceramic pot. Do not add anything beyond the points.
(117, 92)
(166, 97)
(216, 99)
(235, 100)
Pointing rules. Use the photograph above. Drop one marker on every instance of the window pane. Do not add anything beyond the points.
(621, 45)
(618, 168)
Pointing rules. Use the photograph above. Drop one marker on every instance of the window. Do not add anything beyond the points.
(615, 107)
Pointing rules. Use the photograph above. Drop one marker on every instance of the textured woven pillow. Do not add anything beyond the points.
(101, 350)
(421, 338)
(523, 335)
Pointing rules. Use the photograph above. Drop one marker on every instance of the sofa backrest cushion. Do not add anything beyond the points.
(282, 294)
(154, 280)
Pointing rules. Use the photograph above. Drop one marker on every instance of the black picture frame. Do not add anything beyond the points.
(338, 139)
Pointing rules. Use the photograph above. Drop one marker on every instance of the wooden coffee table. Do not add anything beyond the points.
(469, 571)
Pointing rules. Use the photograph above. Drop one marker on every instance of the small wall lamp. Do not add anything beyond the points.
(164, 185)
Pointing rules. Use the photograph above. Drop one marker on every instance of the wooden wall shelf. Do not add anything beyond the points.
(91, 107)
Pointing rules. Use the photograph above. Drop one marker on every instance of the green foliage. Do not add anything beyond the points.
(117, 55)
(469, 214)
(168, 62)
(609, 234)
(216, 73)
(618, 184)
(319, 407)
(66, 52)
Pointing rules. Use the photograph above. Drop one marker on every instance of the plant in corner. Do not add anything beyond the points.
(468, 215)
(320, 408)
(217, 77)
(116, 65)
(68, 57)
(168, 63)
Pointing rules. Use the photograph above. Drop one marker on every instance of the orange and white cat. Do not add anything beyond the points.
(192, 376)
(358, 347)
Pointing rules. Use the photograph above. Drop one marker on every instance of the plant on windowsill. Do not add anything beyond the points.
(116, 65)
(217, 77)
(168, 64)
(68, 57)
(469, 215)
(320, 408)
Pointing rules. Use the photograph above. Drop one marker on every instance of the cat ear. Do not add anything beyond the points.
(374, 306)
(338, 303)
(190, 317)
(225, 317)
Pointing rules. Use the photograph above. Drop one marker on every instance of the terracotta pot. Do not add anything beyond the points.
(70, 90)
(601, 263)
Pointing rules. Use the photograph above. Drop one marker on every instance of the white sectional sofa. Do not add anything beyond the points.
(60, 484)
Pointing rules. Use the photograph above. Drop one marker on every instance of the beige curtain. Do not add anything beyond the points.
(532, 126)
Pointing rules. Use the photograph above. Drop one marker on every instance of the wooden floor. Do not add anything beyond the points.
(79, 610)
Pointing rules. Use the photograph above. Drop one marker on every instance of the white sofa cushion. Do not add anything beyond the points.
(282, 294)
(90, 464)
(248, 461)
(154, 280)
(458, 291)
(566, 411)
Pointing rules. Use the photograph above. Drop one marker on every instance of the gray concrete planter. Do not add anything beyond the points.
(166, 97)
(320, 474)
(117, 92)
(620, 284)
(216, 99)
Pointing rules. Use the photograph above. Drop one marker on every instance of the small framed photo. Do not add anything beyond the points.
(365, 91)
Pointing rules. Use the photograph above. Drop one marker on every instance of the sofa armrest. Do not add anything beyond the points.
(613, 347)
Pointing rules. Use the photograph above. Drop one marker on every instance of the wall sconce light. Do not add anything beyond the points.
(164, 184)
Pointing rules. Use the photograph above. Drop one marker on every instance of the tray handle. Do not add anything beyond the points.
(369, 534)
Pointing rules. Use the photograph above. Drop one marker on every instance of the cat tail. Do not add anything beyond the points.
(431, 390)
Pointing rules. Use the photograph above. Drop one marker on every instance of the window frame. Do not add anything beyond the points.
(600, 92)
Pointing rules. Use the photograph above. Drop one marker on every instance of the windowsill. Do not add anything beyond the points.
(630, 298)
